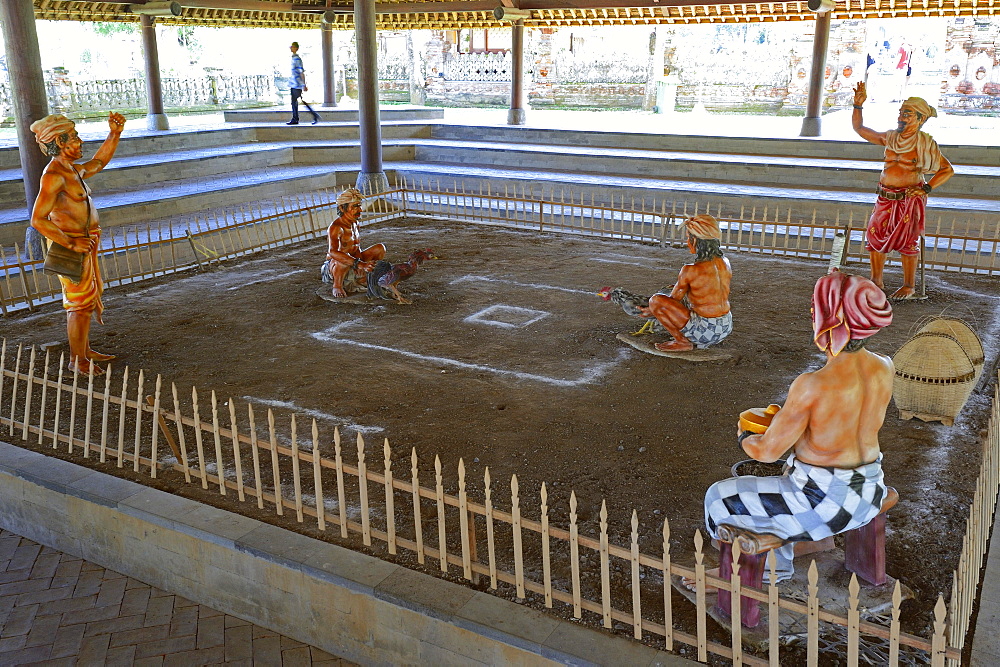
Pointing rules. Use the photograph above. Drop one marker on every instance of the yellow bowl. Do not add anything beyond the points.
(757, 420)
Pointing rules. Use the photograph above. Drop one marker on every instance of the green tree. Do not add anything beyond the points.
(111, 28)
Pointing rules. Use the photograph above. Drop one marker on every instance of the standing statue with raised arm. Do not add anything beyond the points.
(898, 219)
(64, 214)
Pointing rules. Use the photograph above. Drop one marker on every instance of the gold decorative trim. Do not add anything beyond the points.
(299, 16)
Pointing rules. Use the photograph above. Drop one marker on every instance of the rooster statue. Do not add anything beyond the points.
(632, 305)
(384, 278)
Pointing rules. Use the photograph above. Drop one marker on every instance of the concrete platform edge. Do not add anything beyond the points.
(344, 602)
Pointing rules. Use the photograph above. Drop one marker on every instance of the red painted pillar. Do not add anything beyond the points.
(329, 66)
(372, 179)
(24, 66)
(516, 114)
(821, 42)
(155, 118)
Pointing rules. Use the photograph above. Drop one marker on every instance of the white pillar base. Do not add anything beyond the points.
(516, 116)
(811, 126)
(372, 183)
(157, 121)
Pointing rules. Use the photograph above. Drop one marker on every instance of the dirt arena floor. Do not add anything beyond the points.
(508, 359)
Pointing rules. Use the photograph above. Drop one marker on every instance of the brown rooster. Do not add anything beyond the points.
(632, 304)
(384, 278)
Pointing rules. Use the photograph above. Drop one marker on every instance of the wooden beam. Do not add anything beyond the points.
(433, 7)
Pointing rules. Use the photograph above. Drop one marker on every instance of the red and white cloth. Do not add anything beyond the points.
(845, 308)
(896, 224)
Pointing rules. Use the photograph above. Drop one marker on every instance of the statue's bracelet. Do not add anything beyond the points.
(858, 107)
(743, 436)
(926, 187)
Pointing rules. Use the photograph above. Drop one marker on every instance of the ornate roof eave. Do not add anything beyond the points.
(448, 14)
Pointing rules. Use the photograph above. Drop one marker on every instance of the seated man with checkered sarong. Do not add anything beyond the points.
(830, 420)
(696, 311)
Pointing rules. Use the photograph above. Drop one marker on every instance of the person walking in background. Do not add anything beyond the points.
(298, 86)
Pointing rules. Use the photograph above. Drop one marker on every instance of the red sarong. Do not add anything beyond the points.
(896, 224)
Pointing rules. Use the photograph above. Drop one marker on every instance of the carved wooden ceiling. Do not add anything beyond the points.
(451, 14)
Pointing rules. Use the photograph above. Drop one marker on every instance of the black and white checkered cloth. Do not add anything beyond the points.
(806, 504)
(707, 331)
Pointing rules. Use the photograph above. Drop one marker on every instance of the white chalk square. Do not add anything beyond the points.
(507, 317)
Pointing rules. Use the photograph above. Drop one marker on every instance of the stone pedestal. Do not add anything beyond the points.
(157, 121)
(811, 126)
(372, 183)
(516, 116)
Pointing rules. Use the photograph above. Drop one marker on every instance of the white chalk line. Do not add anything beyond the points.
(488, 279)
(266, 280)
(309, 412)
(591, 374)
(227, 279)
(631, 262)
(143, 291)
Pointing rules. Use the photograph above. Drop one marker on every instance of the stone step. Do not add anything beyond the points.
(156, 175)
(145, 171)
(188, 196)
(837, 173)
(284, 114)
(142, 142)
(802, 147)
(970, 180)
(326, 132)
(138, 142)
(602, 189)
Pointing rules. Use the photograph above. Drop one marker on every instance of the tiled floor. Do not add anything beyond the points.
(56, 609)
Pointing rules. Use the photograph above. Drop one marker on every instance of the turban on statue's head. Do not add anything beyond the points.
(49, 128)
(846, 308)
(703, 226)
(350, 196)
(919, 105)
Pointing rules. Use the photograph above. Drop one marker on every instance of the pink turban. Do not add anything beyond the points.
(846, 308)
(47, 129)
(703, 226)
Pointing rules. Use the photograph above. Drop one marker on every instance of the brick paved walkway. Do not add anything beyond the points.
(56, 609)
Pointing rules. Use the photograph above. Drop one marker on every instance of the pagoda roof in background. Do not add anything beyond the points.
(453, 14)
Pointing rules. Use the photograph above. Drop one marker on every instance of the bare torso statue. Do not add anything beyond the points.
(345, 260)
(696, 312)
(65, 214)
(829, 425)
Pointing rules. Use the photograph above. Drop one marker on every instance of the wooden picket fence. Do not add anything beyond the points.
(970, 245)
(130, 254)
(965, 586)
(282, 464)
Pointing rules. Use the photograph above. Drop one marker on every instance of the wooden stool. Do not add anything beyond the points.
(753, 554)
(864, 555)
(864, 547)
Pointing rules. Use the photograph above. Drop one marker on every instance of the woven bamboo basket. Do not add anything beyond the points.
(964, 334)
(934, 377)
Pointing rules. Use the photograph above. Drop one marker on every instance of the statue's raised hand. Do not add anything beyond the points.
(116, 121)
(860, 94)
